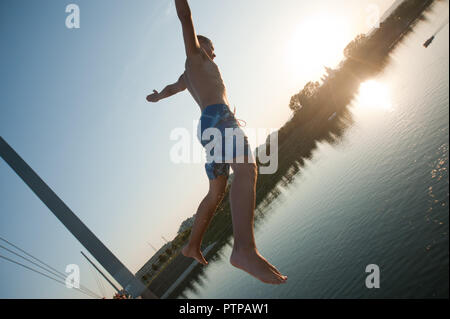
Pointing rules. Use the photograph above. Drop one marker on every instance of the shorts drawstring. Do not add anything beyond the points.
(238, 120)
(240, 123)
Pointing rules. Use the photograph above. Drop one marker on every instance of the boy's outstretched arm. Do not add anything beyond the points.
(190, 38)
(168, 91)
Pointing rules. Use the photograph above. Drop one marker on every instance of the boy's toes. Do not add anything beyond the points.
(194, 253)
(201, 260)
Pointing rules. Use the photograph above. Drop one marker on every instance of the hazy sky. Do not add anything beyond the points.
(73, 106)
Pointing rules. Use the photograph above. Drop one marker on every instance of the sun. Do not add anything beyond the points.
(374, 95)
(316, 42)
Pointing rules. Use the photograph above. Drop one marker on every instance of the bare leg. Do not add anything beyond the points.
(245, 255)
(203, 217)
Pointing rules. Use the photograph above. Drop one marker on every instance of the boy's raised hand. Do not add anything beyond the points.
(153, 97)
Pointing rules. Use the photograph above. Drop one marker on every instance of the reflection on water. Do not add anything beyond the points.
(374, 95)
(353, 191)
(437, 200)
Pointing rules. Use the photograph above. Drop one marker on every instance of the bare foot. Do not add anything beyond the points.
(256, 265)
(194, 253)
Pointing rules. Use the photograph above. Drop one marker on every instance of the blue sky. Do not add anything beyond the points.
(73, 106)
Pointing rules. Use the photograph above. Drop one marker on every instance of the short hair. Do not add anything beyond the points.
(203, 38)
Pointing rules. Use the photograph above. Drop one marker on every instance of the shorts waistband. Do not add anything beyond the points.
(214, 108)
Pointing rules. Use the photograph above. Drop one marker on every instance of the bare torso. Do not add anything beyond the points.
(204, 81)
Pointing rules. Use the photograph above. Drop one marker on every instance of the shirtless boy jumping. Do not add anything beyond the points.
(203, 80)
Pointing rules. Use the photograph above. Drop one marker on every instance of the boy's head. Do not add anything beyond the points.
(207, 45)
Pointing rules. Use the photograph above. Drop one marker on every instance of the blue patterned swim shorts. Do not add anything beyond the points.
(225, 142)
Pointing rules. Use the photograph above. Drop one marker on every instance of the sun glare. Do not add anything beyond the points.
(374, 95)
(316, 42)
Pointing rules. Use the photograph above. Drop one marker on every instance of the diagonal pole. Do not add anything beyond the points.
(86, 237)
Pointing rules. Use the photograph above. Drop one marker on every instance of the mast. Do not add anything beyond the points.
(81, 232)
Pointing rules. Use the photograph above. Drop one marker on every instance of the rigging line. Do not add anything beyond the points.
(29, 255)
(101, 284)
(100, 272)
(12, 252)
(36, 271)
(97, 281)
(61, 275)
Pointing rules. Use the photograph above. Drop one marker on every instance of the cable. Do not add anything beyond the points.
(57, 274)
(12, 252)
(36, 271)
(29, 255)
(101, 284)
(97, 281)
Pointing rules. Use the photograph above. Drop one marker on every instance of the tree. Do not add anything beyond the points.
(295, 104)
(162, 258)
(305, 97)
(353, 48)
